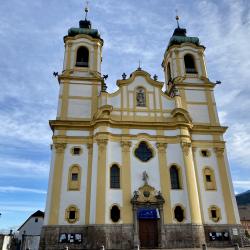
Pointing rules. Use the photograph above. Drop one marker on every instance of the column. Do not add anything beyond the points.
(126, 183)
(225, 185)
(56, 183)
(88, 191)
(165, 182)
(68, 50)
(101, 181)
(191, 183)
(202, 63)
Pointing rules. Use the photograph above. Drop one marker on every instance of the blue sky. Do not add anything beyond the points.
(31, 48)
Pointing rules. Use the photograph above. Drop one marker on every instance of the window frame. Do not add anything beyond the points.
(68, 210)
(209, 185)
(179, 176)
(110, 176)
(110, 211)
(218, 213)
(183, 210)
(74, 185)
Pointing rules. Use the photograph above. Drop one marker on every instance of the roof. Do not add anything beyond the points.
(84, 28)
(38, 213)
(179, 36)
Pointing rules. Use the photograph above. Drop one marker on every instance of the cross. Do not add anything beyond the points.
(86, 10)
(177, 18)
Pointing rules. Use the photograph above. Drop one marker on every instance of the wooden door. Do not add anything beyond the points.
(148, 233)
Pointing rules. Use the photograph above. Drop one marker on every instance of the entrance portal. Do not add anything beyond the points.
(148, 233)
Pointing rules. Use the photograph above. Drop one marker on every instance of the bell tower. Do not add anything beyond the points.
(186, 77)
(184, 56)
(80, 81)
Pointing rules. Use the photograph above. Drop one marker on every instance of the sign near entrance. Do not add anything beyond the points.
(148, 213)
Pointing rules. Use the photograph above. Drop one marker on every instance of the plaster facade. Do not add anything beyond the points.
(176, 125)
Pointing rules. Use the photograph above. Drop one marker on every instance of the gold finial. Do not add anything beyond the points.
(86, 9)
(177, 18)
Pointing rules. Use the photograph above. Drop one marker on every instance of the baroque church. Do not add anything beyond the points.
(140, 167)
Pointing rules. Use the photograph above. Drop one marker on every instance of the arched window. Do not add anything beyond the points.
(175, 178)
(72, 214)
(189, 64)
(114, 177)
(209, 179)
(169, 72)
(74, 178)
(140, 97)
(82, 59)
(115, 213)
(179, 213)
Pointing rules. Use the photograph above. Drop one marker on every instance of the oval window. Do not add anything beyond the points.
(115, 214)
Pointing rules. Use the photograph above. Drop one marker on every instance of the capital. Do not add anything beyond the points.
(89, 146)
(102, 143)
(60, 147)
(219, 151)
(126, 145)
(186, 147)
(161, 146)
(70, 44)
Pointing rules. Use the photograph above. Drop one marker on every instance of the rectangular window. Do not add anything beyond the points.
(76, 151)
(72, 215)
(205, 153)
(214, 213)
(36, 219)
(208, 178)
(74, 177)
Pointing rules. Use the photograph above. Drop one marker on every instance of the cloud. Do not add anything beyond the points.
(12, 189)
(244, 185)
(7, 207)
(27, 168)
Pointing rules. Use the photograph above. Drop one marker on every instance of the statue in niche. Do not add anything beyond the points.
(140, 97)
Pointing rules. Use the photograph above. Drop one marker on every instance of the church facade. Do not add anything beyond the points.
(140, 166)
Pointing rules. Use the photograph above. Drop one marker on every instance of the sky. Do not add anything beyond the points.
(31, 48)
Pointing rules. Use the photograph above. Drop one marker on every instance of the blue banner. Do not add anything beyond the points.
(143, 213)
